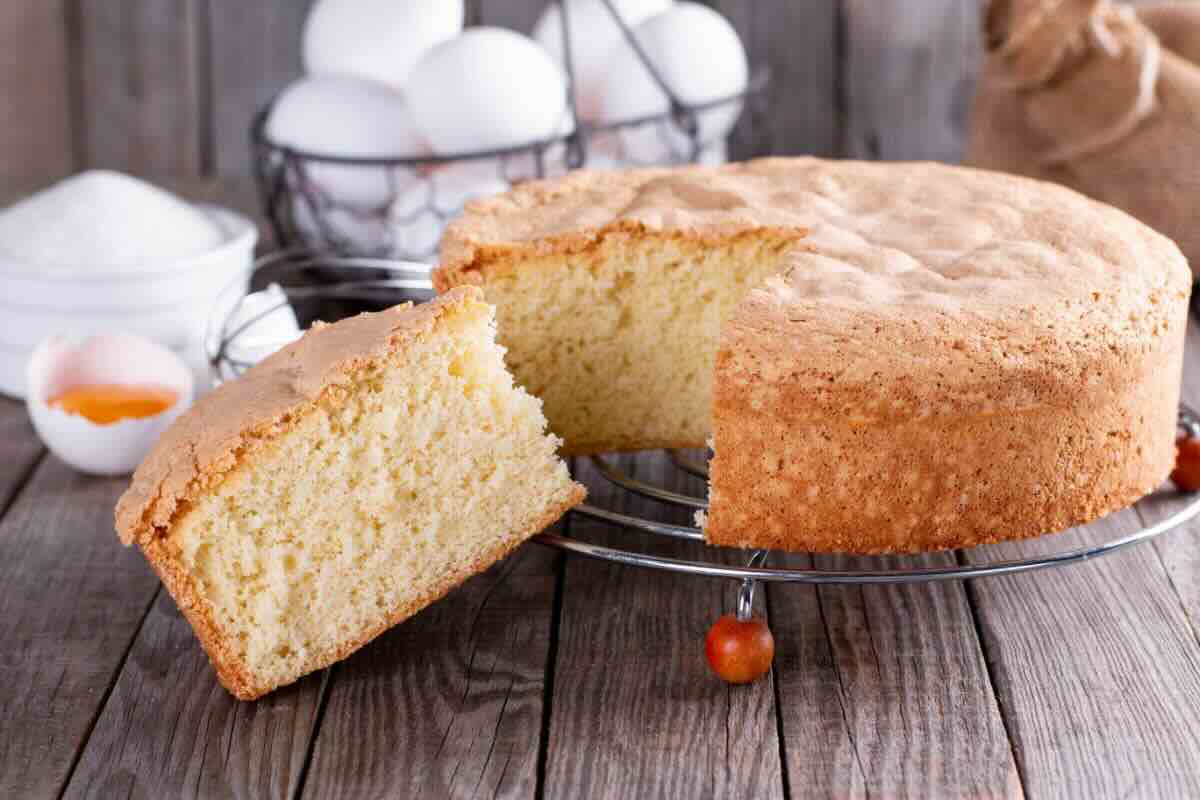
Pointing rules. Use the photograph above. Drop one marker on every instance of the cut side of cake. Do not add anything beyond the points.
(342, 485)
(887, 357)
(615, 328)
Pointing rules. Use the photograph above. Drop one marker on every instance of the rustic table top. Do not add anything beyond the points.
(558, 676)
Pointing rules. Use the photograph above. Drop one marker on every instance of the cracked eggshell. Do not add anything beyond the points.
(63, 362)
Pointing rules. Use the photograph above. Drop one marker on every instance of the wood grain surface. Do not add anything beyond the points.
(635, 711)
(883, 690)
(1096, 670)
(169, 88)
(909, 72)
(520, 15)
(142, 68)
(254, 52)
(170, 730)
(71, 600)
(800, 44)
(20, 450)
(35, 89)
(448, 704)
(1180, 550)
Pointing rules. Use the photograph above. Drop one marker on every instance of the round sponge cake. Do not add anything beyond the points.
(889, 357)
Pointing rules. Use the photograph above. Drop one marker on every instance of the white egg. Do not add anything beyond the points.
(61, 363)
(658, 143)
(455, 185)
(604, 152)
(594, 35)
(566, 124)
(600, 160)
(553, 160)
(416, 225)
(347, 117)
(335, 229)
(714, 154)
(417, 237)
(488, 89)
(361, 234)
(380, 40)
(699, 56)
(416, 197)
(305, 225)
(261, 324)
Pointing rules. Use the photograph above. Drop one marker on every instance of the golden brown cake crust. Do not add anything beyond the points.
(950, 267)
(955, 357)
(212, 437)
(224, 428)
(928, 310)
(232, 672)
(571, 214)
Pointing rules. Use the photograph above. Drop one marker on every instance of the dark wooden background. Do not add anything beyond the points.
(168, 87)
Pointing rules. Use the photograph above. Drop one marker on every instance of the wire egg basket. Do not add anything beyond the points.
(414, 198)
(378, 282)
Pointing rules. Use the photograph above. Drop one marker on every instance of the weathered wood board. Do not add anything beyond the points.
(159, 89)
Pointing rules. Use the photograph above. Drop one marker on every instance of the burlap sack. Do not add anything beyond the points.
(1091, 95)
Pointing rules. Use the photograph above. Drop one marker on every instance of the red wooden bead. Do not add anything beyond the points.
(739, 651)
(1186, 474)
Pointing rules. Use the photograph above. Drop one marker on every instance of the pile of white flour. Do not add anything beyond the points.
(103, 220)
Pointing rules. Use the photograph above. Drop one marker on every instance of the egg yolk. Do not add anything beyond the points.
(105, 403)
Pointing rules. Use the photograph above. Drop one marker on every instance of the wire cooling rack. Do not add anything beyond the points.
(384, 282)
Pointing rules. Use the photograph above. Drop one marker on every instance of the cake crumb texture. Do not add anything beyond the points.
(365, 491)
(895, 357)
(620, 346)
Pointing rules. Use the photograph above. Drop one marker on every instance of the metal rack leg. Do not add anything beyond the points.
(740, 647)
(745, 599)
(1189, 422)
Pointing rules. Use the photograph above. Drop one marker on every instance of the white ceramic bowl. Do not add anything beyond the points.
(166, 303)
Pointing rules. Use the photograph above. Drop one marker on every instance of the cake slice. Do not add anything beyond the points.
(343, 484)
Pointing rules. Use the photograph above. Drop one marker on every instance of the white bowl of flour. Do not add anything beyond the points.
(102, 252)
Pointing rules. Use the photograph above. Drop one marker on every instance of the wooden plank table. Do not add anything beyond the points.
(558, 676)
